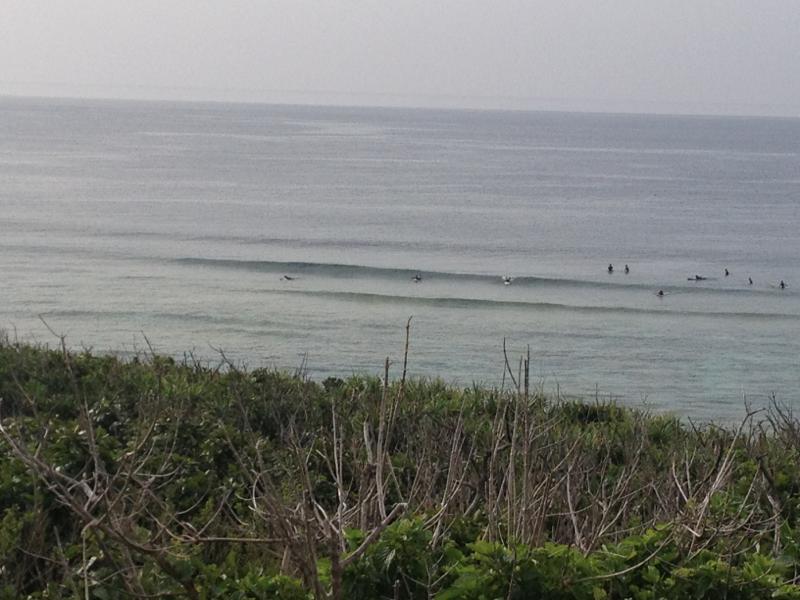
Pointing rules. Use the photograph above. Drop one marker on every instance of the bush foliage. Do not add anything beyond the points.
(156, 478)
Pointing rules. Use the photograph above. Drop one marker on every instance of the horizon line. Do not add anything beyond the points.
(402, 101)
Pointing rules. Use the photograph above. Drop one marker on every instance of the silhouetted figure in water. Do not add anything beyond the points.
(782, 285)
(627, 270)
(727, 272)
(507, 280)
(697, 278)
(750, 280)
(417, 278)
(610, 268)
(287, 278)
(660, 293)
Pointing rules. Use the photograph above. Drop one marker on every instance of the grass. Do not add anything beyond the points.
(153, 477)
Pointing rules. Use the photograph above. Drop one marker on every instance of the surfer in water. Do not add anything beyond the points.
(610, 268)
(417, 278)
(660, 293)
(782, 285)
(697, 278)
(627, 270)
(727, 272)
(507, 280)
(750, 281)
(287, 278)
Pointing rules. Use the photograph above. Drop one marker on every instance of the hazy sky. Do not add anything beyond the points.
(709, 56)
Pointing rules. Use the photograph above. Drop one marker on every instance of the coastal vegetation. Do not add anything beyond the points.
(157, 478)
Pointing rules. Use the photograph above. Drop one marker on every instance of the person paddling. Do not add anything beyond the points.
(610, 268)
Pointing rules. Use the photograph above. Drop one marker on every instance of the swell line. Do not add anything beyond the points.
(454, 302)
(353, 271)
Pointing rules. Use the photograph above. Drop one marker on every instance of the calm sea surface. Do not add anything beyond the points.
(179, 221)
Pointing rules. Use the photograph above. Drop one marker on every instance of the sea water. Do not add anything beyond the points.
(124, 224)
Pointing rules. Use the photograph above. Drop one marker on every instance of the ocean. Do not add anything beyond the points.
(290, 236)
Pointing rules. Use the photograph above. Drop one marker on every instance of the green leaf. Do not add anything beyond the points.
(599, 593)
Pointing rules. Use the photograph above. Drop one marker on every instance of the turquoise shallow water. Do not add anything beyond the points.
(180, 221)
